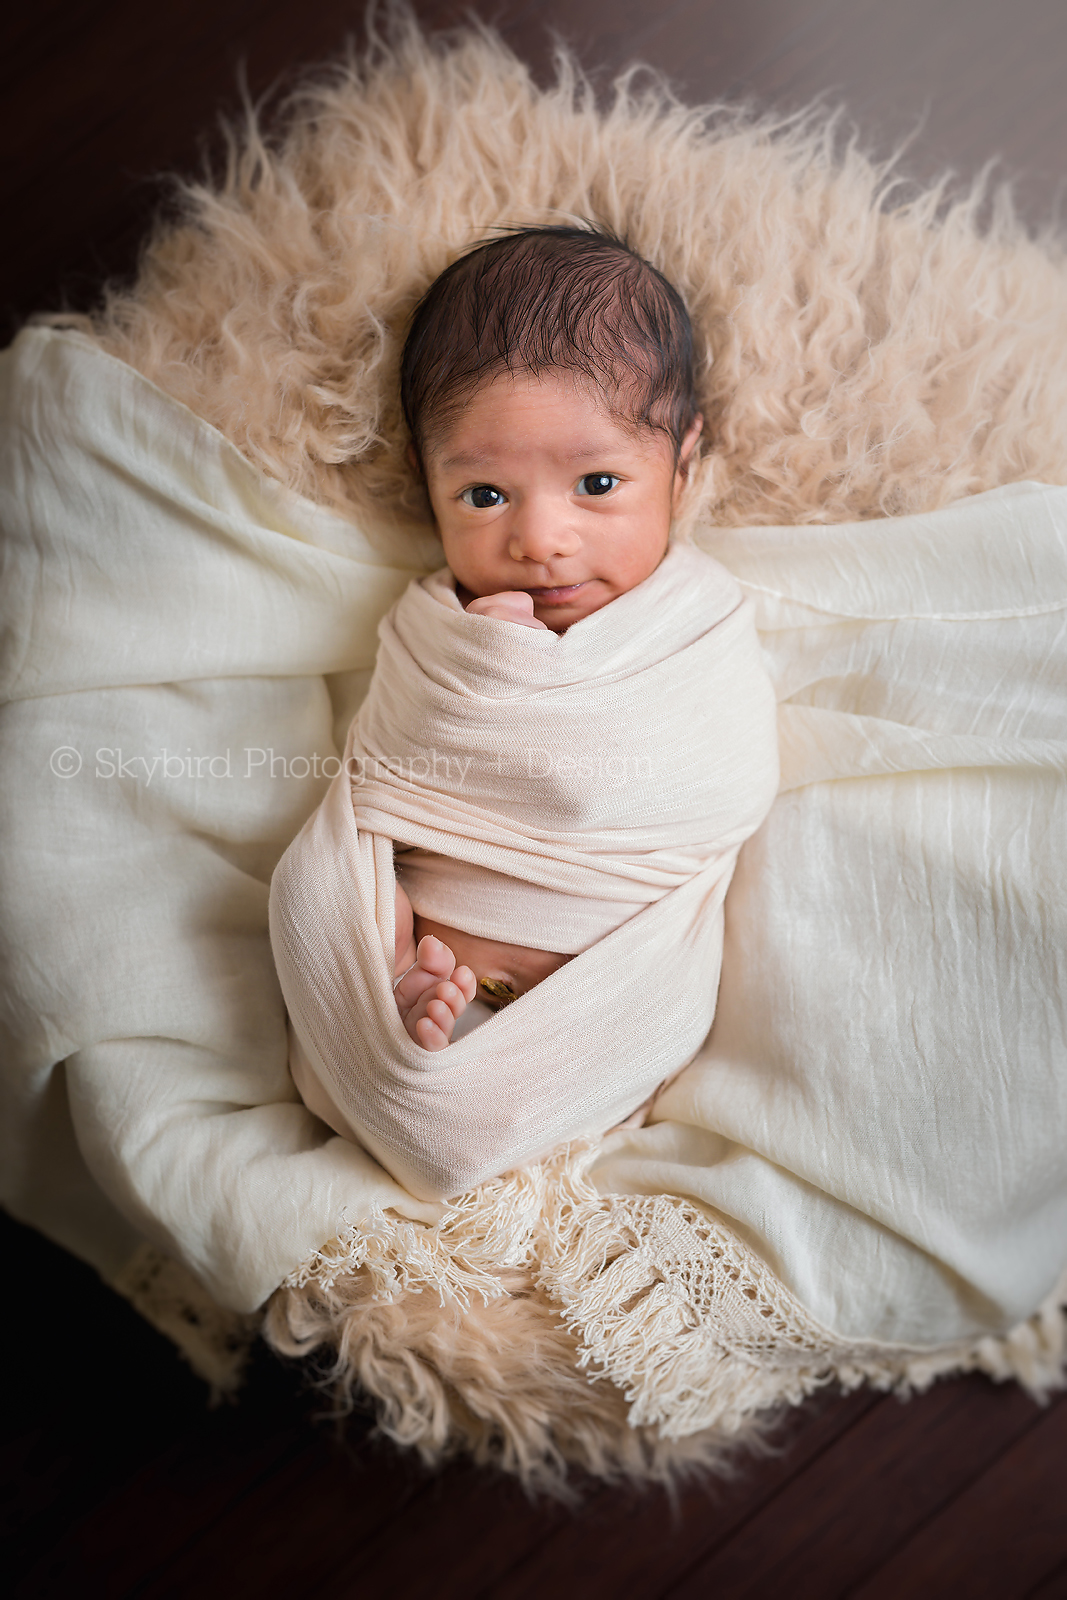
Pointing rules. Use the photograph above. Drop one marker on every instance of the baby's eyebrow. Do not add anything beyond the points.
(466, 458)
(585, 450)
(588, 449)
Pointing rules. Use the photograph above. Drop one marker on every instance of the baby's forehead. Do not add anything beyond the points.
(605, 406)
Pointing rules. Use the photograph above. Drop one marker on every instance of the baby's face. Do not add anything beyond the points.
(536, 487)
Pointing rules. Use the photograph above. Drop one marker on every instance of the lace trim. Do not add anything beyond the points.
(214, 1341)
(669, 1305)
(489, 1230)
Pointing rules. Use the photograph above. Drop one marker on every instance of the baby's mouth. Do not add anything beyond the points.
(558, 595)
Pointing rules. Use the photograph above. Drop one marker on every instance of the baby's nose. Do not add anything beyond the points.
(539, 534)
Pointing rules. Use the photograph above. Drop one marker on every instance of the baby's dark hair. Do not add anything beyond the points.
(576, 299)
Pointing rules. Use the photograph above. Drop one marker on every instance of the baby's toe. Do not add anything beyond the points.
(433, 955)
(430, 1036)
(442, 1019)
(445, 1008)
(411, 987)
(467, 984)
(430, 1017)
(434, 961)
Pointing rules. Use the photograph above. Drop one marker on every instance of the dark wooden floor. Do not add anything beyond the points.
(118, 1481)
(102, 96)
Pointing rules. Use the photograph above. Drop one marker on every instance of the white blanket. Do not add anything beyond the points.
(882, 1106)
(881, 1111)
(168, 618)
(658, 723)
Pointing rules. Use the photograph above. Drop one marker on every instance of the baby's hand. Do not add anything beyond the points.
(514, 605)
(433, 994)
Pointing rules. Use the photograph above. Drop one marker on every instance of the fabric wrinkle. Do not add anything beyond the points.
(507, 854)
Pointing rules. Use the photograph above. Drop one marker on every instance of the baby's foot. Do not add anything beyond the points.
(433, 994)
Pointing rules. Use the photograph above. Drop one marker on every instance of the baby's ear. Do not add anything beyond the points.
(693, 432)
(685, 455)
(413, 458)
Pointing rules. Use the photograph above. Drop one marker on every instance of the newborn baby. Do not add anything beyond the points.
(568, 736)
(553, 473)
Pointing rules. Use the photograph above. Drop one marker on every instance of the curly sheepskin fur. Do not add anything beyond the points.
(859, 357)
(497, 1380)
(861, 354)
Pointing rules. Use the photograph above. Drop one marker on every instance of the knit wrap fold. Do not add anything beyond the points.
(598, 786)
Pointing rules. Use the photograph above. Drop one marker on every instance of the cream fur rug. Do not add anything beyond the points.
(863, 356)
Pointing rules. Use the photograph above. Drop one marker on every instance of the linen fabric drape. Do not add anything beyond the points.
(879, 1113)
(666, 689)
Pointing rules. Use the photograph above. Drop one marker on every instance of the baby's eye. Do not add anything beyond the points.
(596, 483)
(483, 497)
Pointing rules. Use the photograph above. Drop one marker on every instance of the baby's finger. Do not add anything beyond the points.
(513, 602)
(511, 605)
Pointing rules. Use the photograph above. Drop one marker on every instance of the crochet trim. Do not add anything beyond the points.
(669, 1305)
(215, 1342)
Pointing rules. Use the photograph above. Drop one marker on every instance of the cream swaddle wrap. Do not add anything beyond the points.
(622, 763)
